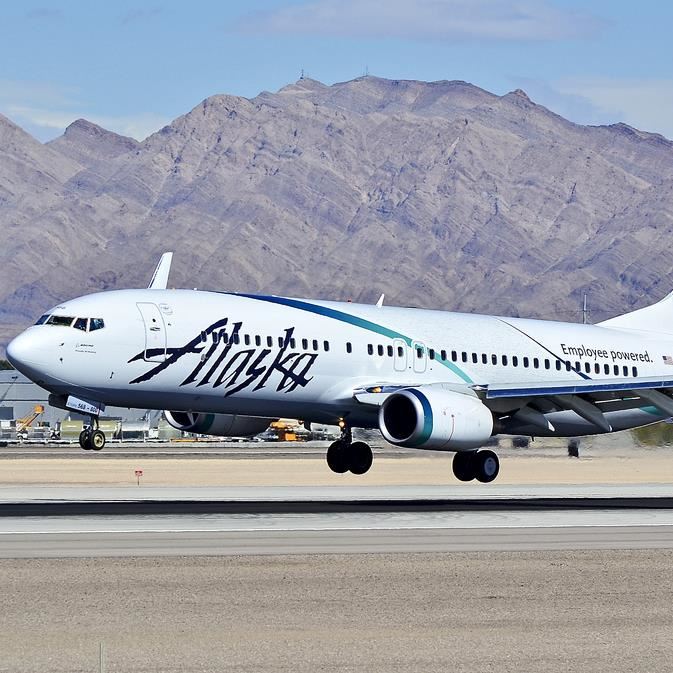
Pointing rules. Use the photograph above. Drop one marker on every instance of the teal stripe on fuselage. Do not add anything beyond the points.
(352, 320)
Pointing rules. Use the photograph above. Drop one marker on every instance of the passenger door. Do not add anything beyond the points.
(155, 332)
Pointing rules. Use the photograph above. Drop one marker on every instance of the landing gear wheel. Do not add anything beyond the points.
(359, 457)
(85, 440)
(488, 466)
(465, 465)
(97, 440)
(337, 458)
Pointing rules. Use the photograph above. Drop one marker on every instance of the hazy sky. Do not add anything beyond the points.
(133, 66)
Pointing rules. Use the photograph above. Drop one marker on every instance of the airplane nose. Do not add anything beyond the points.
(24, 354)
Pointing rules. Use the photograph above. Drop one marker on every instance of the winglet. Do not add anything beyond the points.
(160, 278)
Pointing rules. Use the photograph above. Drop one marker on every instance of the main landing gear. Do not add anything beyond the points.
(91, 438)
(480, 465)
(345, 455)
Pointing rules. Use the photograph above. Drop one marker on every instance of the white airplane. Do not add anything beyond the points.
(229, 364)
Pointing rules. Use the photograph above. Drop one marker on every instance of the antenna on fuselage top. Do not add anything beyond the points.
(379, 303)
(160, 278)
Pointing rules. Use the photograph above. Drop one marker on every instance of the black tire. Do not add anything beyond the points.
(360, 457)
(464, 465)
(97, 440)
(488, 466)
(85, 440)
(337, 460)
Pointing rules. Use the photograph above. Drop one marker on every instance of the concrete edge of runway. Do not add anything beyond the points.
(54, 508)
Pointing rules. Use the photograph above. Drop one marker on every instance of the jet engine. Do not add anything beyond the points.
(433, 417)
(223, 425)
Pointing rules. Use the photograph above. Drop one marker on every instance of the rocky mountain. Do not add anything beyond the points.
(439, 194)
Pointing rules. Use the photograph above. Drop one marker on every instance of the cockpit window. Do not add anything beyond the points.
(96, 323)
(80, 323)
(42, 319)
(62, 320)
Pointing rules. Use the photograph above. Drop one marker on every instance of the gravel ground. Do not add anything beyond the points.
(579, 611)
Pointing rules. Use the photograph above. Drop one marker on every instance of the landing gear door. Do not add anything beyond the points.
(155, 332)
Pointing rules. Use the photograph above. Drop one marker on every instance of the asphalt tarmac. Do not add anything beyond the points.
(338, 576)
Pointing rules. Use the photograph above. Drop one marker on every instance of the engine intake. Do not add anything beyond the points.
(432, 417)
(222, 425)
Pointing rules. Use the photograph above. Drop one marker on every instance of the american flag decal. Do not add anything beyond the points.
(668, 360)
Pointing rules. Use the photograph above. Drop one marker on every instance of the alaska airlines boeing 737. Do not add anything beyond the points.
(228, 364)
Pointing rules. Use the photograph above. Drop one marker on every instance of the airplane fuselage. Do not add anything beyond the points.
(270, 356)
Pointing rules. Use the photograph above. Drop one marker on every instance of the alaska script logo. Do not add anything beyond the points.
(222, 365)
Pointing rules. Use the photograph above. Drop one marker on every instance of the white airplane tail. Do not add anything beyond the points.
(655, 318)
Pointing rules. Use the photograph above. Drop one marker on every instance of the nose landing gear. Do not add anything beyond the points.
(91, 438)
(345, 455)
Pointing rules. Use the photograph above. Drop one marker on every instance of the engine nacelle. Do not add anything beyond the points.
(432, 417)
(223, 425)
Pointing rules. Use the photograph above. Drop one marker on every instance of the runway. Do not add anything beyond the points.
(45, 528)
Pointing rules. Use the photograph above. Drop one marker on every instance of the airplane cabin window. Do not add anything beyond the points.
(304, 344)
(536, 363)
(379, 349)
(370, 349)
(526, 362)
(349, 347)
(625, 370)
(578, 367)
(634, 371)
(587, 367)
(568, 365)
(454, 356)
(81, 323)
(464, 356)
(443, 355)
(315, 344)
(258, 340)
(616, 370)
(431, 353)
(60, 321)
(42, 319)
(419, 351)
(504, 360)
(281, 342)
(269, 341)
(515, 361)
(325, 345)
(494, 359)
(293, 342)
(474, 358)
(246, 339)
(558, 365)
(547, 364)
(606, 369)
(96, 323)
(484, 358)
(390, 351)
(400, 351)
(236, 338)
(597, 368)
(224, 336)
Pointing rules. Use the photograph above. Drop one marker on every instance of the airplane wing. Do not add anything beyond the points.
(160, 277)
(590, 399)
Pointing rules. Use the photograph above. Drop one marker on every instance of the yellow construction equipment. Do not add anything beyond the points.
(22, 424)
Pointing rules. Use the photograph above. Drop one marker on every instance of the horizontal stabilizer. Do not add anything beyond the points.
(160, 278)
